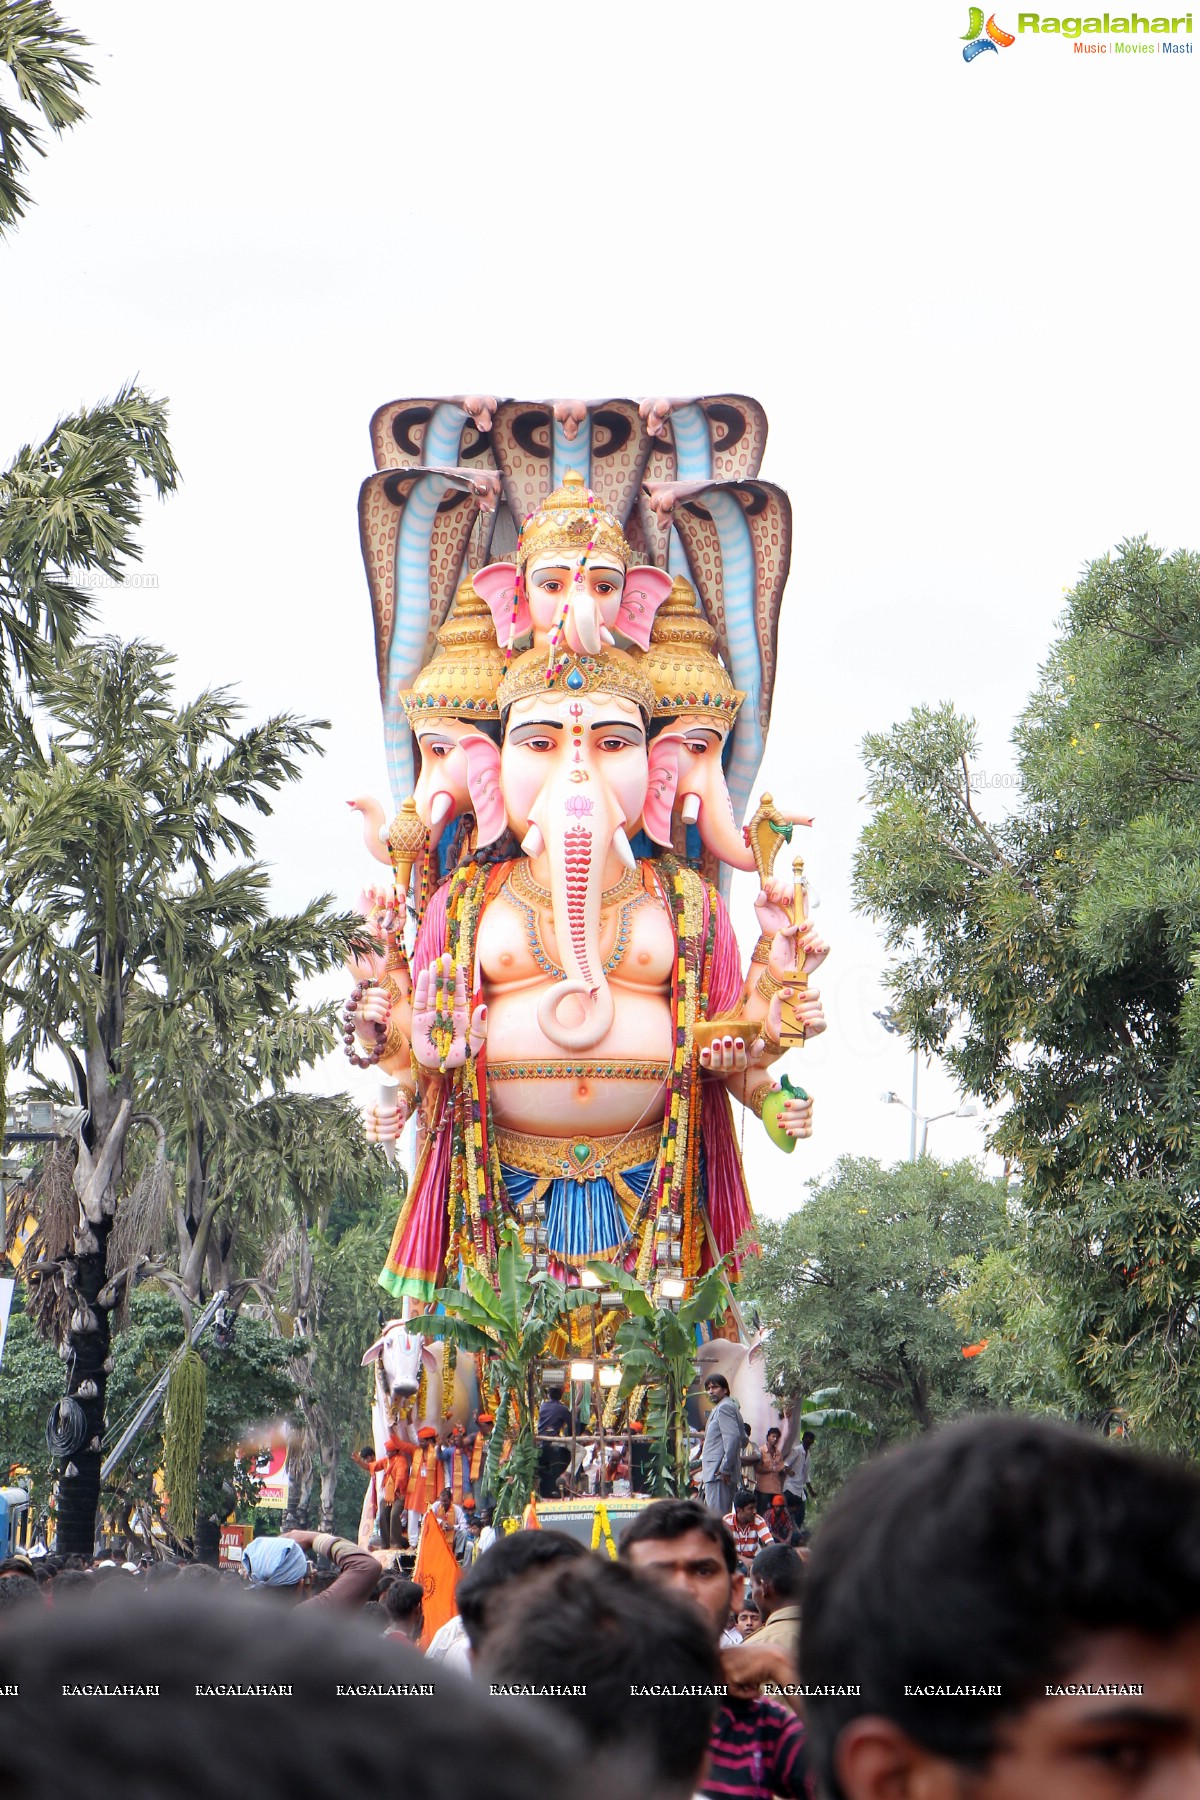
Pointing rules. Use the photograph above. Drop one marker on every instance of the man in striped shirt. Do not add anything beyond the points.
(747, 1527)
(757, 1745)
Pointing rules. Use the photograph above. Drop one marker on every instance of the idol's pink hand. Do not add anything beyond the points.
(795, 1116)
(440, 1006)
(385, 1123)
(726, 1057)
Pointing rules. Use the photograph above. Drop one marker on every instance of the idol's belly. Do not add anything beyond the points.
(619, 1085)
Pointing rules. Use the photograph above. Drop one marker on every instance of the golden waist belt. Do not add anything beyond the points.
(579, 1159)
(606, 1070)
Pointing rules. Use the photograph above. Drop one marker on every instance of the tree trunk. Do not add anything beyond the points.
(300, 1480)
(79, 1473)
(97, 1174)
(329, 1454)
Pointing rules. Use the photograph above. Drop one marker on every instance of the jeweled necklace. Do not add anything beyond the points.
(522, 882)
(533, 934)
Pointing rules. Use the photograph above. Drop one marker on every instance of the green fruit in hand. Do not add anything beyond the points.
(773, 1105)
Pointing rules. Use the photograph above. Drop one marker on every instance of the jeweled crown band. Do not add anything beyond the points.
(615, 672)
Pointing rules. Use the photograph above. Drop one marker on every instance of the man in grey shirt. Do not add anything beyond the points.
(721, 1457)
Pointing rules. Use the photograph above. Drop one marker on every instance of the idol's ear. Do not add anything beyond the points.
(660, 790)
(483, 785)
(644, 592)
(429, 1360)
(497, 585)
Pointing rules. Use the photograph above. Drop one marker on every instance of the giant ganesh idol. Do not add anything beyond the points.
(573, 1023)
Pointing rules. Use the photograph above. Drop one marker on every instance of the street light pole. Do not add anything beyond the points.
(968, 1110)
(891, 1024)
(912, 1129)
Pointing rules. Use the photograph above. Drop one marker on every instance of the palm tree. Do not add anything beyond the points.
(40, 53)
(112, 831)
(217, 1045)
(69, 507)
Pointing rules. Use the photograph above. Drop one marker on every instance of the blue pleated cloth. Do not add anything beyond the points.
(584, 1219)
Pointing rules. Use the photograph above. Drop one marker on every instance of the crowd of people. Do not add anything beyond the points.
(1005, 1610)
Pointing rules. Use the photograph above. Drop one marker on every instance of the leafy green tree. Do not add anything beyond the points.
(344, 1319)
(318, 1160)
(247, 1382)
(855, 1285)
(1018, 1308)
(114, 827)
(41, 54)
(1050, 955)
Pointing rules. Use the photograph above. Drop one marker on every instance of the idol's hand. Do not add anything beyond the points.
(375, 1006)
(795, 1117)
(385, 1123)
(382, 910)
(767, 1048)
(726, 1057)
(811, 1013)
(444, 1034)
(795, 949)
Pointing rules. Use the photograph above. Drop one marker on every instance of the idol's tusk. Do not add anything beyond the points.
(443, 803)
(689, 812)
(533, 843)
(624, 848)
(606, 636)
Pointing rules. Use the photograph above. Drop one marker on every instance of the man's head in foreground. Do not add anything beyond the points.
(404, 1603)
(602, 1628)
(776, 1579)
(681, 1545)
(288, 1735)
(487, 1589)
(1024, 1558)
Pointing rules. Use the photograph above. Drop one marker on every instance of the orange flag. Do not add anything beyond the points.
(975, 1349)
(438, 1573)
(529, 1518)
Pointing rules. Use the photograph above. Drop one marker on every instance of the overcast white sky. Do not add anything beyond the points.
(964, 294)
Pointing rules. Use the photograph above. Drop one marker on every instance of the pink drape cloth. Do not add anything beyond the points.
(729, 1214)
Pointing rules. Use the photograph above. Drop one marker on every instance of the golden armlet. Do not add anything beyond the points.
(757, 1100)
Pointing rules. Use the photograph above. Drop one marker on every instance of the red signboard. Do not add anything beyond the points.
(233, 1541)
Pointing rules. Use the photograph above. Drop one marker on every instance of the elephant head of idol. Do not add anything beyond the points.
(695, 705)
(452, 699)
(570, 780)
(574, 582)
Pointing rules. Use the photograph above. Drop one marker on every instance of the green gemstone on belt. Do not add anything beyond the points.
(582, 1153)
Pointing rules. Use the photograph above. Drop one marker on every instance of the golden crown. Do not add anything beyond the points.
(459, 680)
(681, 663)
(614, 672)
(568, 520)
